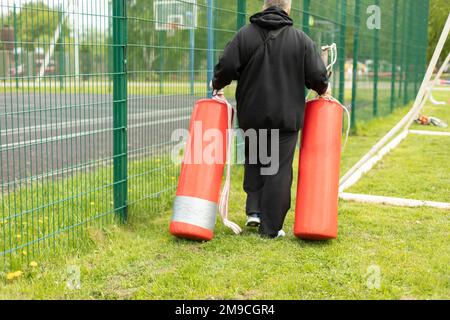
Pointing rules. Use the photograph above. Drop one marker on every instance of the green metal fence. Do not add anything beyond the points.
(91, 92)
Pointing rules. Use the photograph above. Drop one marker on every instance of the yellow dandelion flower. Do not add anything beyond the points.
(33, 264)
(18, 274)
(18, 236)
(10, 276)
(24, 253)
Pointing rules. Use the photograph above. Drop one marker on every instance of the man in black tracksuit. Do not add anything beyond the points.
(272, 62)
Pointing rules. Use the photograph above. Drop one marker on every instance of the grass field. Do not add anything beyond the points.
(419, 168)
(405, 251)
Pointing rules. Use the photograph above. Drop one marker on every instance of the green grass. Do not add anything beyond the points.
(141, 260)
(171, 87)
(419, 168)
(103, 87)
(48, 214)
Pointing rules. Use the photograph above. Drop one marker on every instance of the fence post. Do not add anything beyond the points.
(403, 51)
(16, 54)
(241, 14)
(192, 58)
(342, 51)
(394, 56)
(355, 62)
(62, 62)
(416, 50)
(161, 44)
(376, 66)
(210, 50)
(241, 20)
(191, 31)
(335, 74)
(120, 109)
(425, 37)
(407, 56)
(110, 44)
(305, 21)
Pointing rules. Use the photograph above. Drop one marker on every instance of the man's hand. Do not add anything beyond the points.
(217, 93)
(326, 93)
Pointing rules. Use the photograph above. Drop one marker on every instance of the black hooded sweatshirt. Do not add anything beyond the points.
(272, 62)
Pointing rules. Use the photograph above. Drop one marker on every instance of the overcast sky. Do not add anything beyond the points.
(96, 10)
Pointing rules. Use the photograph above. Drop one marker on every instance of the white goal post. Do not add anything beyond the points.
(408, 119)
(399, 202)
(429, 94)
(395, 136)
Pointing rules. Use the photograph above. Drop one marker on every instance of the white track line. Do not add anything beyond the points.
(69, 124)
(399, 202)
(87, 133)
(368, 165)
(441, 89)
(430, 133)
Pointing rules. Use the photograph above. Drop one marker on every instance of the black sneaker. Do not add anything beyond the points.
(253, 220)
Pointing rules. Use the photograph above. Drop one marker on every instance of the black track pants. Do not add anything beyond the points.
(270, 195)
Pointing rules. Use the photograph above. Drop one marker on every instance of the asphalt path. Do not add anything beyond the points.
(43, 135)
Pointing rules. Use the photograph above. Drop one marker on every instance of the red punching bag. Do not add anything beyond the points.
(197, 199)
(316, 212)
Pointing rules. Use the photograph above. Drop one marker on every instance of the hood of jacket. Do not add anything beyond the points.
(272, 18)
